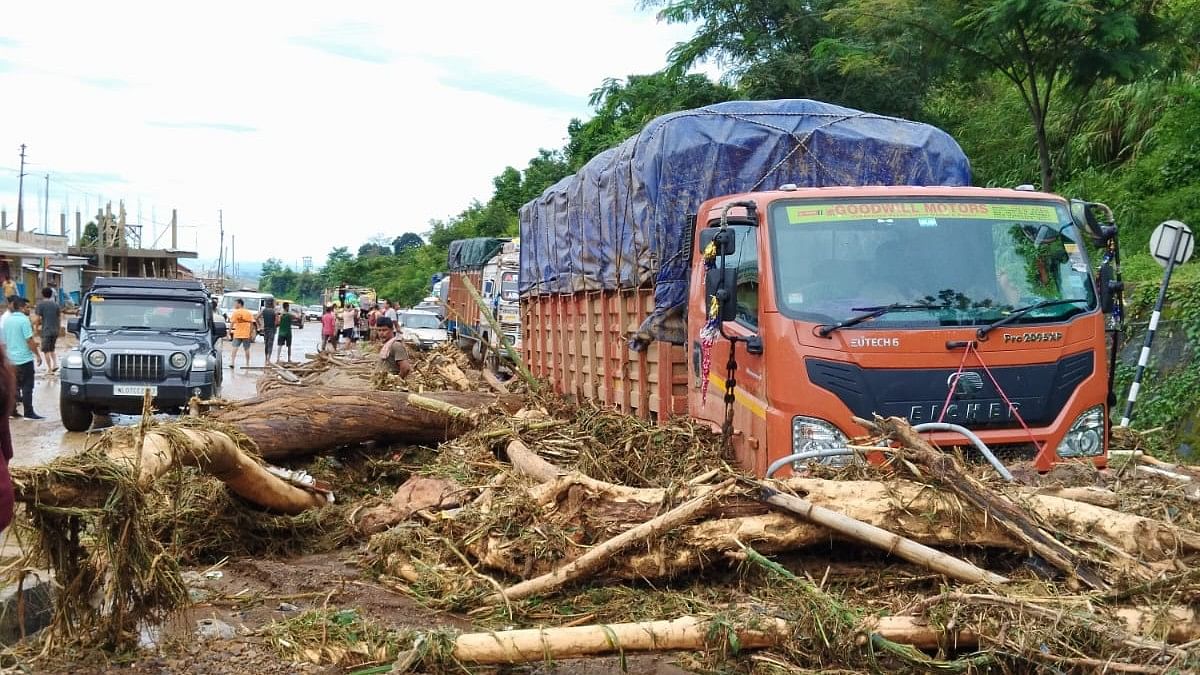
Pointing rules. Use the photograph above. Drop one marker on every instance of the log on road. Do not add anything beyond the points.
(905, 508)
(300, 421)
(146, 458)
(688, 633)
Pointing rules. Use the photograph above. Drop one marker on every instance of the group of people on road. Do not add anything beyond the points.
(19, 324)
(345, 327)
(275, 327)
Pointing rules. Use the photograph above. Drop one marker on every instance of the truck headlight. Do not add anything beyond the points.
(178, 360)
(200, 362)
(1085, 438)
(74, 360)
(810, 433)
(96, 358)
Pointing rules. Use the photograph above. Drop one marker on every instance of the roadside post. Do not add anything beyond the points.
(1171, 244)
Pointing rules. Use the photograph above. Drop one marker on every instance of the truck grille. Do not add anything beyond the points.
(137, 367)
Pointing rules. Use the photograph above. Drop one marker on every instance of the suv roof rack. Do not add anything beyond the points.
(143, 282)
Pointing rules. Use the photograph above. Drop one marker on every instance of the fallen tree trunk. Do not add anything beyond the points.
(215, 453)
(905, 508)
(150, 456)
(597, 556)
(880, 538)
(304, 420)
(690, 633)
(945, 469)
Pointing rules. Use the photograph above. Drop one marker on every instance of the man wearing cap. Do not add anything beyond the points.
(393, 356)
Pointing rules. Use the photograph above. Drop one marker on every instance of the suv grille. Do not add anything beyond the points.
(138, 367)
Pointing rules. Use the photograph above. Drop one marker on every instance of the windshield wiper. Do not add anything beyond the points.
(873, 312)
(1022, 311)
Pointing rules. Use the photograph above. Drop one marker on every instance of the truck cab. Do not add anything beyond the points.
(970, 306)
(139, 336)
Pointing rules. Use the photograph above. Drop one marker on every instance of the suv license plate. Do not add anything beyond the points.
(133, 390)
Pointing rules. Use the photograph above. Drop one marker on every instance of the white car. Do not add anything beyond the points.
(420, 328)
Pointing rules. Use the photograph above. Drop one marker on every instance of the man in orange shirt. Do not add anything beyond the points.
(243, 331)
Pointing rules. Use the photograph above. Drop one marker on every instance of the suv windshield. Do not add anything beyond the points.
(973, 261)
(413, 320)
(157, 314)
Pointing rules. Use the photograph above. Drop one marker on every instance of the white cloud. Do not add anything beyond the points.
(312, 124)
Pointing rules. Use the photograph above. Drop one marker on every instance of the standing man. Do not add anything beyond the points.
(389, 311)
(328, 329)
(393, 356)
(22, 351)
(349, 323)
(48, 313)
(269, 319)
(285, 333)
(243, 331)
(10, 287)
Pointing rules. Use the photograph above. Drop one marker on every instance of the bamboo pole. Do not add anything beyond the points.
(486, 313)
(688, 633)
(895, 544)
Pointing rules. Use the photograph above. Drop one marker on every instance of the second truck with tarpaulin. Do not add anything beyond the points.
(490, 265)
(844, 260)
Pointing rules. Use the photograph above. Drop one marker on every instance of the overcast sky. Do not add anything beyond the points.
(311, 124)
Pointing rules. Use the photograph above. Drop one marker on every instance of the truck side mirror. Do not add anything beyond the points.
(73, 326)
(219, 329)
(1083, 215)
(720, 282)
(1108, 287)
(724, 240)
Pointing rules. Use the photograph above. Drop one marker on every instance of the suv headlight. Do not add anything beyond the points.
(1085, 438)
(74, 360)
(96, 358)
(200, 362)
(178, 360)
(810, 433)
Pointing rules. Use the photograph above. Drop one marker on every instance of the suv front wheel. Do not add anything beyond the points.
(75, 416)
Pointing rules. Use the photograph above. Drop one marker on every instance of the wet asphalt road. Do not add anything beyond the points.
(39, 441)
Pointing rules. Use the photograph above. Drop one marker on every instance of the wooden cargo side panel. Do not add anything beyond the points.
(579, 344)
(461, 307)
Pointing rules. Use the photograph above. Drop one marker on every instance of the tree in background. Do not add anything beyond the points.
(1044, 49)
(790, 49)
(405, 242)
(624, 107)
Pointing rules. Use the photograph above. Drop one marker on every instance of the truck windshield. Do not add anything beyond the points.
(973, 262)
(157, 314)
(508, 287)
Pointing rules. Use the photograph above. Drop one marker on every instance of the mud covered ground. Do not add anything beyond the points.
(250, 596)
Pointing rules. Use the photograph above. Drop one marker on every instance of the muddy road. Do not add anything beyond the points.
(39, 441)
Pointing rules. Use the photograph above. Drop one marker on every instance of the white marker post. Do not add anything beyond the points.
(1171, 244)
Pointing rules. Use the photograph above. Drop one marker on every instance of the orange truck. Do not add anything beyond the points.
(663, 272)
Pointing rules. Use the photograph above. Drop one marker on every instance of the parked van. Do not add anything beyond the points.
(253, 300)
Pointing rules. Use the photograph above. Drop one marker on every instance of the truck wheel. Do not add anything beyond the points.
(75, 416)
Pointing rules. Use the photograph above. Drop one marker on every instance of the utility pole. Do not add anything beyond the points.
(221, 250)
(21, 195)
(45, 233)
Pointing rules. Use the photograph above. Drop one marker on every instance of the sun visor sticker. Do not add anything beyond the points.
(818, 213)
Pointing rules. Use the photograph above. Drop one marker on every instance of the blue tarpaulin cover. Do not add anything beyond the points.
(621, 221)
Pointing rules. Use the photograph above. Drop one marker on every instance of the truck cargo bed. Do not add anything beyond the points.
(580, 344)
